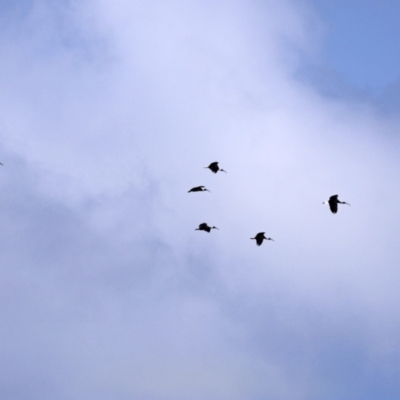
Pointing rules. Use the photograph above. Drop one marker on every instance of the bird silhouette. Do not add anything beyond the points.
(215, 168)
(205, 227)
(198, 189)
(333, 203)
(259, 238)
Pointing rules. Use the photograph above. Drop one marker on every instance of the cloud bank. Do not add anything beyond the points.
(110, 111)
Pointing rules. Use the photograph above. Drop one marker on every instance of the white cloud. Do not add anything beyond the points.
(107, 286)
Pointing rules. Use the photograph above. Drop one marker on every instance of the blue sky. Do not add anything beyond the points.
(109, 113)
(359, 52)
(362, 41)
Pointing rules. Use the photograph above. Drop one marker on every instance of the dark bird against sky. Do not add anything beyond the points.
(205, 227)
(198, 189)
(259, 238)
(215, 168)
(333, 203)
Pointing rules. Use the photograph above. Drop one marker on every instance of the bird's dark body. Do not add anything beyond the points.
(214, 167)
(205, 227)
(198, 189)
(259, 238)
(333, 203)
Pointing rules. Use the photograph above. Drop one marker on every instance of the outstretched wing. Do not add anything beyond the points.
(214, 167)
(260, 238)
(333, 205)
(204, 227)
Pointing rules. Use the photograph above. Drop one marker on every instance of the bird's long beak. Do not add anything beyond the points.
(223, 170)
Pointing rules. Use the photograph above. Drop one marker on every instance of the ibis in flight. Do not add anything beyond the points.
(215, 168)
(204, 227)
(198, 189)
(259, 238)
(333, 203)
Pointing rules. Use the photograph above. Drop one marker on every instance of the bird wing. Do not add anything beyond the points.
(259, 238)
(214, 167)
(333, 204)
(334, 197)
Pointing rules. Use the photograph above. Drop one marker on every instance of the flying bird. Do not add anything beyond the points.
(198, 189)
(333, 203)
(259, 238)
(205, 227)
(215, 168)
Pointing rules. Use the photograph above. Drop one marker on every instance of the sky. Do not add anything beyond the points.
(361, 40)
(109, 113)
